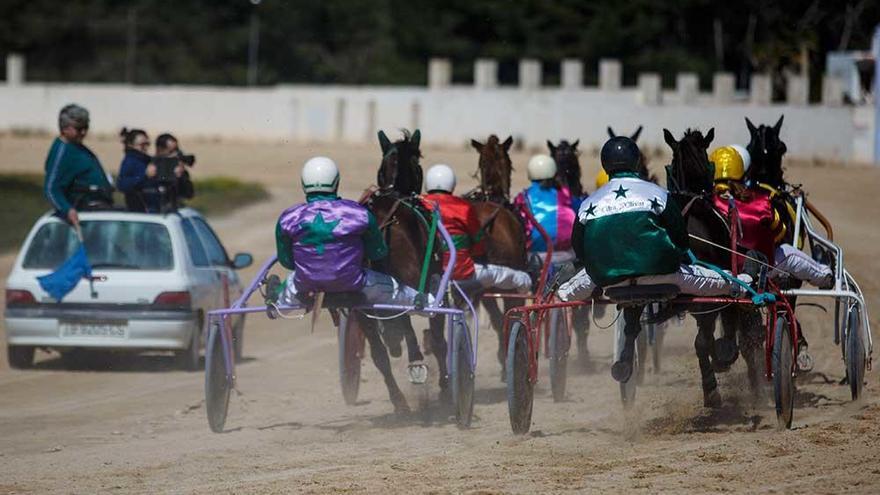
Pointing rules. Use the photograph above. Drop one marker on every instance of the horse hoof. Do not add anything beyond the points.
(417, 372)
(400, 405)
(621, 371)
(712, 399)
(804, 360)
(726, 352)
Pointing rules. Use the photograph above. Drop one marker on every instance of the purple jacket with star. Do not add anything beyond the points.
(327, 244)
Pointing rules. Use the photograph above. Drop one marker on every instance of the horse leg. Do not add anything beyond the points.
(438, 347)
(726, 351)
(704, 346)
(751, 339)
(622, 369)
(581, 323)
(382, 362)
(403, 325)
(496, 319)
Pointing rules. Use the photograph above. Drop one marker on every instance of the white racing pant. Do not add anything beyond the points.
(379, 288)
(558, 257)
(502, 277)
(690, 279)
(793, 261)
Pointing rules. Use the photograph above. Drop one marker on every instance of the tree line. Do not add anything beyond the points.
(390, 41)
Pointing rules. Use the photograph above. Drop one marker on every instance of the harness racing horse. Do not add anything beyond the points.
(690, 183)
(766, 150)
(405, 222)
(505, 236)
(568, 167)
(568, 174)
(400, 169)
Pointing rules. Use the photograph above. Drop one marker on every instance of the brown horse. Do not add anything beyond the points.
(405, 225)
(505, 236)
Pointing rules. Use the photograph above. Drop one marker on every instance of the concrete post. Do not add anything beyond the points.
(439, 73)
(610, 74)
(486, 73)
(529, 74)
(761, 90)
(723, 87)
(797, 90)
(572, 74)
(832, 91)
(687, 85)
(15, 66)
(650, 89)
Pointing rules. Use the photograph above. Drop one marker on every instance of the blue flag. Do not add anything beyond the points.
(63, 280)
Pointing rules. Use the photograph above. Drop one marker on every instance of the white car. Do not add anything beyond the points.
(155, 276)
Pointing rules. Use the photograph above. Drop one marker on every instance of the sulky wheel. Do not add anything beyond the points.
(520, 390)
(855, 351)
(462, 373)
(558, 346)
(351, 352)
(217, 381)
(783, 381)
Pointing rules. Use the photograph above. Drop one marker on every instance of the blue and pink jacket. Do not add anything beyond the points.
(551, 207)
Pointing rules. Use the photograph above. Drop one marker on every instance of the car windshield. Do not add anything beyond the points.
(109, 244)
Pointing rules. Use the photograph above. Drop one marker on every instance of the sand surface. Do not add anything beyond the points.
(133, 424)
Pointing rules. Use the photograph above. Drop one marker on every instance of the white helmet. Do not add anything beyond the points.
(320, 174)
(744, 154)
(440, 177)
(541, 167)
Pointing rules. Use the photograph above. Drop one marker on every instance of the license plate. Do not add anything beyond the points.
(113, 330)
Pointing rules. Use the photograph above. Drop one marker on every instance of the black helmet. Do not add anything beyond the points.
(620, 154)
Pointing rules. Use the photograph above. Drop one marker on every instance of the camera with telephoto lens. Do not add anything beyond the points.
(165, 169)
(188, 160)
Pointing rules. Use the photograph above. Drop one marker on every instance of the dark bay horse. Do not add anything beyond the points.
(568, 166)
(568, 173)
(690, 183)
(405, 224)
(400, 169)
(766, 149)
(505, 236)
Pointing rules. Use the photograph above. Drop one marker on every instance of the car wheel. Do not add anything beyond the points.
(20, 356)
(189, 358)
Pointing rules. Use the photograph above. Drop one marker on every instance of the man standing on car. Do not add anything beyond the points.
(167, 146)
(74, 176)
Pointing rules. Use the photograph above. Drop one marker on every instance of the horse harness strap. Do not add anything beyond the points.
(687, 207)
(389, 218)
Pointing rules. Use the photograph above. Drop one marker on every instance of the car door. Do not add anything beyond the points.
(229, 290)
(205, 278)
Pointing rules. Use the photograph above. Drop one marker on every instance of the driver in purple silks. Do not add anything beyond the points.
(326, 240)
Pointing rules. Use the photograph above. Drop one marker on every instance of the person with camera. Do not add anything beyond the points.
(167, 146)
(74, 176)
(137, 175)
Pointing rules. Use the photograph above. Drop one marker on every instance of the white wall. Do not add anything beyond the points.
(447, 116)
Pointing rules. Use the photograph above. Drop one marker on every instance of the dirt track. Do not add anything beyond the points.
(133, 424)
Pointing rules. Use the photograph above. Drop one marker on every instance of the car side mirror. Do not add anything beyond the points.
(242, 260)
